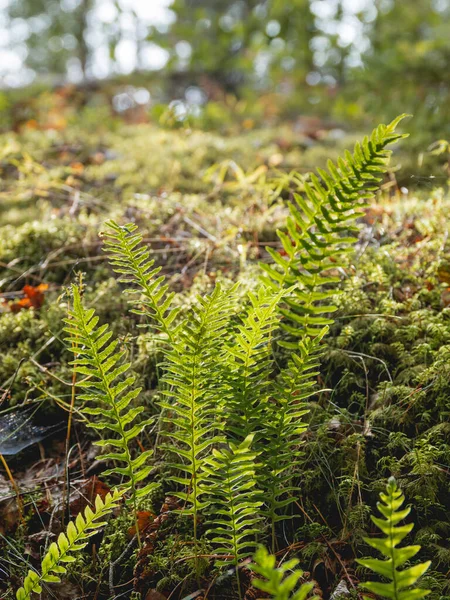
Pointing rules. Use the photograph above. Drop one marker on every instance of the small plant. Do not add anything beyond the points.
(192, 393)
(282, 582)
(402, 584)
(97, 358)
(74, 540)
(231, 417)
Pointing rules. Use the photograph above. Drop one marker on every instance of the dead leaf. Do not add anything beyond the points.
(34, 298)
(154, 595)
(144, 518)
(77, 168)
(90, 489)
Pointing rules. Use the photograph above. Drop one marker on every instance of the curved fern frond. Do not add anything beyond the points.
(321, 230)
(235, 501)
(283, 427)
(131, 259)
(401, 585)
(252, 363)
(282, 582)
(73, 540)
(108, 393)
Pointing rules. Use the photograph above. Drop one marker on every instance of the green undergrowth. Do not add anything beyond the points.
(207, 205)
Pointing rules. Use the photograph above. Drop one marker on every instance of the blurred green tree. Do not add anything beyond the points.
(55, 33)
(243, 42)
(407, 61)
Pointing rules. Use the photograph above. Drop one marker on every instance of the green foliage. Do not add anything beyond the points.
(283, 426)
(110, 395)
(280, 582)
(75, 539)
(251, 363)
(234, 499)
(321, 231)
(386, 359)
(131, 259)
(402, 584)
(192, 390)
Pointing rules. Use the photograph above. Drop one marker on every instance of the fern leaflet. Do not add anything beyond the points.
(193, 390)
(131, 259)
(283, 427)
(235, 501)
(252, 363)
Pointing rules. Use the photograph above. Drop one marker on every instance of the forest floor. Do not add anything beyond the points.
(208, 204)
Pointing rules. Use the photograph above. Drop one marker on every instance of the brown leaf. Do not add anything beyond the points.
(90, 489)
(154, 595)
(144, 518)
(34, 297)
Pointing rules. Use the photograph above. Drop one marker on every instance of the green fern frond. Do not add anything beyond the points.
(252, 363)
(401, 585)
(193, 389)
(321, 230)
(282, 582)
(108, 393)
(73, 540)
(283, 427)
(131, 259)
(235, 500)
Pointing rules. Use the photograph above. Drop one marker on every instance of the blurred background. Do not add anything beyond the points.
(211, 61)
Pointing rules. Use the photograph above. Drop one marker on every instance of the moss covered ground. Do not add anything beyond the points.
(208, 204)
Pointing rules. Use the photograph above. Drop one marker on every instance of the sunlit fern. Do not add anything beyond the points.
(235, 501)
(149, 294)
(321, 231)
(108, 394)
(72, 541)
(193, 389)
(401, 584)
(251, 363)
(283, 427)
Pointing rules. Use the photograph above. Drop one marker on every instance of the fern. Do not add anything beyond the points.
(277, 581)
(283, 427)
(109, 394)
(193, 392)
(131, 259)
(402, 583)
(231, 486)
(320, 231)
(251, 363)
(74, 540)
